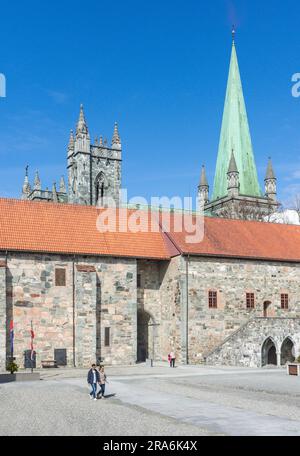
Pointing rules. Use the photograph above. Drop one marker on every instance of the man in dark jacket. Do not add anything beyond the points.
(93, 378)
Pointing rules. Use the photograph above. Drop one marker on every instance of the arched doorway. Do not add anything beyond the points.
(287, 352)
(267, 305)
(145, 336)
(268, 353)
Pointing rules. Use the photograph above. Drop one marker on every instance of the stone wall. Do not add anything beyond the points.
(85, 315)
(3, 321)
(244, 347)
(231, 279)
(103, 298)
(159, 296)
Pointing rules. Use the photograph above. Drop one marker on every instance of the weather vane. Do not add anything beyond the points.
(233, 32)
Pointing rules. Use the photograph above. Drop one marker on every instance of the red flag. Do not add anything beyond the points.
(31, 344)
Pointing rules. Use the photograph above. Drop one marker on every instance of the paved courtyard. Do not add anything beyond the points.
(149, 401)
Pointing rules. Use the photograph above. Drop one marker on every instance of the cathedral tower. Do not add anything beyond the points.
(94, 171)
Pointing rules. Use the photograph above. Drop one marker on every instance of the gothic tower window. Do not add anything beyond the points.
(101, 186)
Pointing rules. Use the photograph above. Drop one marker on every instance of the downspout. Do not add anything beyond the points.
(187, 307)
(91, 180)
(73, 298)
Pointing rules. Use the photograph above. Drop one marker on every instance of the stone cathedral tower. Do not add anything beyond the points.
(94, 171)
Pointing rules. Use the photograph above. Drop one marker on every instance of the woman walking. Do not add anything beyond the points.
(102, 382)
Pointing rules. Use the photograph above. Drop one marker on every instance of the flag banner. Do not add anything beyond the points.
(11, 336)
(31, 344)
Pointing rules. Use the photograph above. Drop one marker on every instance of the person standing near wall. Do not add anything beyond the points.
(172, 356)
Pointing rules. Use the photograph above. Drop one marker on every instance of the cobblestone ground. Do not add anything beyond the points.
(155, 401)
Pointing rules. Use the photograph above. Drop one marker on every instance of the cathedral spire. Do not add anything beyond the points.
(116, 141)
(235, 134)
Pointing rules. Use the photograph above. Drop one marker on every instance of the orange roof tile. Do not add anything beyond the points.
(67, 228)
(71, 229)
(242, 239)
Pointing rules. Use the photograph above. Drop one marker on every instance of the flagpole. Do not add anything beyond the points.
(31, 334)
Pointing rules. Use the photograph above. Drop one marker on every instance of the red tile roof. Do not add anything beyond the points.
(71, 229)
(242, 239)
(67, 228)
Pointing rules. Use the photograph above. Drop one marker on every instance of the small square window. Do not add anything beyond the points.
(250, 300)
(212, 299)
(284, 301)
(60, 277)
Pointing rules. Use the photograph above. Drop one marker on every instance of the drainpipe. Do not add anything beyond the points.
(73, 298)
(187, 307)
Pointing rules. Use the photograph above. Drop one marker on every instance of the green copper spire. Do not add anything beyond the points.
(235, 135)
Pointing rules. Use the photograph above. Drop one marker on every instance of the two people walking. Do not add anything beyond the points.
(94, 378)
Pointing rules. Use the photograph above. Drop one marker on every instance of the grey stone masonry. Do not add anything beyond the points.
(103, 295)
(231, 280)
(3, 321)
(85, 315)
(244, 347)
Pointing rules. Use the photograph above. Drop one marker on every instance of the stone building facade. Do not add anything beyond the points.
(122, 297)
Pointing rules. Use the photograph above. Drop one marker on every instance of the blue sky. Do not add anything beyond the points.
(160, 69)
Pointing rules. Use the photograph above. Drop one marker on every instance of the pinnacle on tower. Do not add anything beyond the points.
(203, 180)
(37, 181)
(71, 141)
(116, 138)
(82, 128)
(270, 172)
(232, 168)
(270, 182)
(233, 183)
(54, 193)
(62, 185)
(203, 188)
(101, 141)
(26, 189)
